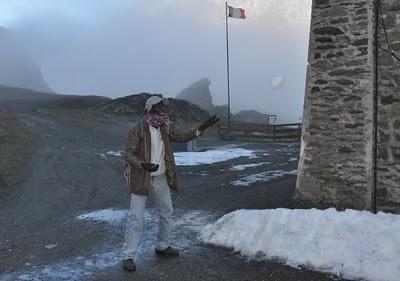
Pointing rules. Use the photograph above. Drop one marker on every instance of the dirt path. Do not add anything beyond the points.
(42, 237)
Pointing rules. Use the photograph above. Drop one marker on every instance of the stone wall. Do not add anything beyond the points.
(388, 195)
(336, 162)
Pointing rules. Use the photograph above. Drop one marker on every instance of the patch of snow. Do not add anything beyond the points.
(6, 277)
(254, 157)
(107, 215)
(102, 155)
(196, 174)
(72, 270)
(193, 220)
(50, 246)
(202, 157)
(186, 227)
(210, 156)
(242, 167)
(353, 244)
(115, 153)
(264, 177)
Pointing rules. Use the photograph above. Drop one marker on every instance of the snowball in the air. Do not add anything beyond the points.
(277, 82)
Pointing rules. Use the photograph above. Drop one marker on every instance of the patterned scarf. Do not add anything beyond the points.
(156, 120)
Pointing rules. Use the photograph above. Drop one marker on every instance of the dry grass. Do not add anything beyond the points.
(16, 150)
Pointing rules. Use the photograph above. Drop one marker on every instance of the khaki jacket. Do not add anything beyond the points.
(138, 150)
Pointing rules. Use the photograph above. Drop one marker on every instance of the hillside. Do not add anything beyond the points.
(23, 100)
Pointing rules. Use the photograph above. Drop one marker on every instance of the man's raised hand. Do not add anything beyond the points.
(208, 123)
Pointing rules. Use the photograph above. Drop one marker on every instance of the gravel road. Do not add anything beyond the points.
(71, 174)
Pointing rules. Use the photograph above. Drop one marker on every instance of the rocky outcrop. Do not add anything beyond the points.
(250, 116)
(17, 69)
(198, 93)
(179, 110)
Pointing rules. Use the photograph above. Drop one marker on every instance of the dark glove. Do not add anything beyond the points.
(209, 122)
(150, 167)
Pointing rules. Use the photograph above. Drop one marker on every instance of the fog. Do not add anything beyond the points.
(116, 48)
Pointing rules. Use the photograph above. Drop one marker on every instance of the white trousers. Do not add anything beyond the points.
(160, 192)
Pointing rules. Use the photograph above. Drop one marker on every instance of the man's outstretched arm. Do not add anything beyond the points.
(178, 135)
(186, 136)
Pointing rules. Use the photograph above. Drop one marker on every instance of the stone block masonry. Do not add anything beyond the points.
(336, 165)
(388, 187)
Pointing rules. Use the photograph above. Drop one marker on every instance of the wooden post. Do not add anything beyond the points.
(273, 132)
(191, 146)
(299, 132)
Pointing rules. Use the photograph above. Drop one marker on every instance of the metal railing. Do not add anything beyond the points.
(249, 131)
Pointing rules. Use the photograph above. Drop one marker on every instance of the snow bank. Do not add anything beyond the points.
(210, 156)
(265, 177)
(353, 244)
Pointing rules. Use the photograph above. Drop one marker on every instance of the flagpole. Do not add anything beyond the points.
(227, 67)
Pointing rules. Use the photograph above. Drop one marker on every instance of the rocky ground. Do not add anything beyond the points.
(45, 237)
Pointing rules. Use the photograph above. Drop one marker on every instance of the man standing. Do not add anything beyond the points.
(150, 171)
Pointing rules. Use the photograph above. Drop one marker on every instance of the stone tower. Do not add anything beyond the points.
(342, 102)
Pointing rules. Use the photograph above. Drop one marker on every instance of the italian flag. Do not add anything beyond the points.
(237, 13)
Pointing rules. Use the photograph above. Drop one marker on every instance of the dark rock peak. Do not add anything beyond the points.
(17, 68)
(198, 93)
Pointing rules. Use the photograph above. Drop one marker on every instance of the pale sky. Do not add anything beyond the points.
(115, 48)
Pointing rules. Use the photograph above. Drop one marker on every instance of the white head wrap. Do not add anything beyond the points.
(152, 101)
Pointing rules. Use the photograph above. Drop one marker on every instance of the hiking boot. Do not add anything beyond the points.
(129, 265)
(168, 252)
